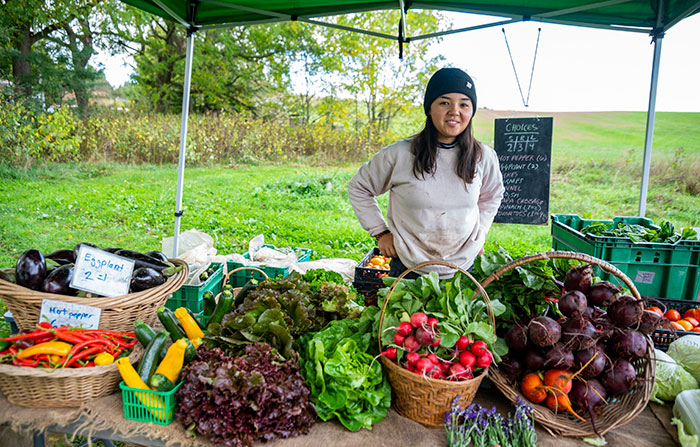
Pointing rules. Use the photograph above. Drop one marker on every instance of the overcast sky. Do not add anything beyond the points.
(576, 69)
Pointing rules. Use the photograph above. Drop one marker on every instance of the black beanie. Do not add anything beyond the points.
(448, 80)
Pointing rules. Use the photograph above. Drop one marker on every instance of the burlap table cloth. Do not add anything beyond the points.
(106, 414)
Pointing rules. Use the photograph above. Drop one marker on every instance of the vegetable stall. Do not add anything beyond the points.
(306, 358)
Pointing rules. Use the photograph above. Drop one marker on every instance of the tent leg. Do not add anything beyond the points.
(651, 116)
(183, 139)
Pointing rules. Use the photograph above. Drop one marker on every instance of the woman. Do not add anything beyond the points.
(444, 186)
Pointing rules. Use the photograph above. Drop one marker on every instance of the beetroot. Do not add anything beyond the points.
(603, 293)
(573, 302)
(559, 357)
(512, 368)
(619, 377)
(578, 333)
(590, 396)
(579, 278)
(629, 345)
(596, 366)
(534, 360)
(650, 321)
(543, 331)
(516, 337)
(626, 311)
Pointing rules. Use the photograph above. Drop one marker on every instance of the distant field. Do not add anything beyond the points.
(596, 173)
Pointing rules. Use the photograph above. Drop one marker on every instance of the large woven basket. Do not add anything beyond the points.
(620, 409)
(423, 399)
(69, 387)
(118, 313)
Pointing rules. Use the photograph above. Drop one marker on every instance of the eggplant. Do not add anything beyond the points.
(62, 257)
(145, 278)
(30, 270)
(159, 255)
(77, 247)
(142, 260)
(58, 281)
(112, 249)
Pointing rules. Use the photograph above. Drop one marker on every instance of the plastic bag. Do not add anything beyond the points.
(194, 241)
(671, 378)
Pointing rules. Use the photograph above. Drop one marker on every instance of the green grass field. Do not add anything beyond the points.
(596, 171)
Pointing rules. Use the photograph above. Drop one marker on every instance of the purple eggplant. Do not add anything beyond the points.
(62, 257)
(159, 255)
(30, 270)
(144, 278)
(58, 281)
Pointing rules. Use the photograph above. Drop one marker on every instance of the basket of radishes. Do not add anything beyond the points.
(588, 366)
(437, 340)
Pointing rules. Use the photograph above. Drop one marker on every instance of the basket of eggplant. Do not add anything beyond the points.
(37, 276)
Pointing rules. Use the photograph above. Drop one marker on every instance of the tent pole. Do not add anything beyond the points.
(183, 138)
(651, 115)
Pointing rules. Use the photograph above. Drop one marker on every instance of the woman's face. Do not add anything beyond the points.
(451, 114)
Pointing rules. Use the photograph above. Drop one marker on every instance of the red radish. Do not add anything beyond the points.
(424, 365)
(467, 359)
(432, 323)
(424, 337)
(418, 319)
(399, 339)
(412, 358)
(445, 366)
(457, 372)
(479, 347)
(463, 343)
(433, 358)
(411, 343)
(435, 343)
(484, 359)
(390, 353)
(405, 328)
(436, 373)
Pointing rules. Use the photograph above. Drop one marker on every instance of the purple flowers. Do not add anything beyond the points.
(482, 427)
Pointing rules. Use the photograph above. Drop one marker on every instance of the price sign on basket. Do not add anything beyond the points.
(61, 313)
(102, 273)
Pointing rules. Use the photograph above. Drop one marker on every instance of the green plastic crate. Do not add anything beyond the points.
(657, 269)
(190, 296)
(157, 407)
(239, 279)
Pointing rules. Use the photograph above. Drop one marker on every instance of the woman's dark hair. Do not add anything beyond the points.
(424, 147)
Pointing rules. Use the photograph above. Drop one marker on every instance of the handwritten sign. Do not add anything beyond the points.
(60, 313)
(524, 148)
(102, 273)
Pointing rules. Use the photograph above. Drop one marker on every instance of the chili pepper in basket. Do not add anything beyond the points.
(108, 346)
(50, 347)
(25, 362)
(33, 335)
(80, 356)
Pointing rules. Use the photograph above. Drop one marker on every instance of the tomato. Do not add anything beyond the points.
(687, 326)
(656, 309)
(696, 329)
(692, 313)
(672, 315)
(692, 321)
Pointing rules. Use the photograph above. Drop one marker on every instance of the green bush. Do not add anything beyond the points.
(27, 135)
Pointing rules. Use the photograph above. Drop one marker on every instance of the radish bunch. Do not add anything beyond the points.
(420, 341)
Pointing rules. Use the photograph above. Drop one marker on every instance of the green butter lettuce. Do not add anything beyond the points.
(686, 416)
(345, 380)
(686, 351)
(671, 378)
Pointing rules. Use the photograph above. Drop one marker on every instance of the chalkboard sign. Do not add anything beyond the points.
(524, 148)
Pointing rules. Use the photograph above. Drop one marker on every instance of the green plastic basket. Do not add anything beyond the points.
(156, 407)
(239, 279)
(190, 296)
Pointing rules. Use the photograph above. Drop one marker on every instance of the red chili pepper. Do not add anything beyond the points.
(79, 346)
(82, 354)
(25, 362)
(45, 325)
(32, 335)
(110, 333)
(70, 336)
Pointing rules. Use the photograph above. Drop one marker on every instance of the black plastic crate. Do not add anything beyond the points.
(366, 276)
(663, 337)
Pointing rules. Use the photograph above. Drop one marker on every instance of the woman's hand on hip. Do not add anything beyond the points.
(386, 245)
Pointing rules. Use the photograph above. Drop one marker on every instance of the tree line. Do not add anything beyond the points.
(302, 73)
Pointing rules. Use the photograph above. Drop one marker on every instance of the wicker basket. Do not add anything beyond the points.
(621, 409)
(118, 313)
(69, 387)
(423, 399)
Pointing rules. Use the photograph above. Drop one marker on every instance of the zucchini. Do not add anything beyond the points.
(144, 332)
(223, 306)
(209, 302)
(149, 362)
(247, 287)
(161, 383)
(170, 323)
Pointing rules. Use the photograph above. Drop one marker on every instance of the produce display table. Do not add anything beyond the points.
(103, 419)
